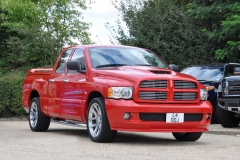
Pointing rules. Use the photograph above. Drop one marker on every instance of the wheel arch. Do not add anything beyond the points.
(33, 94)
(90, 97)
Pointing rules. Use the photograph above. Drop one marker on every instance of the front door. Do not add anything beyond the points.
(56, 85)
(73, 93)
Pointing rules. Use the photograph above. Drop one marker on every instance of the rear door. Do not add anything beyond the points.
(73, 93)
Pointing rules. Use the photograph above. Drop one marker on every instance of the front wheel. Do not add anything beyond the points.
(227, 118)
(97, 122)
(188, 136)
(37, 121)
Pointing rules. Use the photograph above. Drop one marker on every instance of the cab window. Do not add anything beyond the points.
(62, 63)
(78, 55)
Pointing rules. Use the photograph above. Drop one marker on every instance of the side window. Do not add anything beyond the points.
(62, 64)
(78, 55)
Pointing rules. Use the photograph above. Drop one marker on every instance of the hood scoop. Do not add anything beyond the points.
(160, 72)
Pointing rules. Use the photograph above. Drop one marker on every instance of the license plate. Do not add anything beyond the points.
(175, 118)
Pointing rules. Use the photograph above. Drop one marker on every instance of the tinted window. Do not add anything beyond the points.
(78, 55)
(63, 61)
(113, 56)
(232, 70)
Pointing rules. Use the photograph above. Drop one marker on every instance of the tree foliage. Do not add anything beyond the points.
(221, 21)
(35, 31)
(165, 27)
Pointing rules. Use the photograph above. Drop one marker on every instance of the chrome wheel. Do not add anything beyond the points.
(95, 119)
(33, 117)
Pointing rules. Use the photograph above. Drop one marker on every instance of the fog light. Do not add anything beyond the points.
(208, 116)
(126, 116)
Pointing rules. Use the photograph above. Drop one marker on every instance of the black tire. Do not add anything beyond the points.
(37, 121)
(227, 118)
(97, 122)
(215, 114)
(188, 136)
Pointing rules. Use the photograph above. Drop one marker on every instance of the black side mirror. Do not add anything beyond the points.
(76, 65)
(174, 67)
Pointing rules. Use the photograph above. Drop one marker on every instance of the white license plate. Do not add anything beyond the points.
(175, 118)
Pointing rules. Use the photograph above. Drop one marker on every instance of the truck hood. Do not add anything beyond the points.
(139, 73)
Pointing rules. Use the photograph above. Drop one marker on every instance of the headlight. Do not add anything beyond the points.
(203, 94)
(225, 88)
(120, 92)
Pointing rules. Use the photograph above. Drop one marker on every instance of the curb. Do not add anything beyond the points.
(224, 132)
(218, 129)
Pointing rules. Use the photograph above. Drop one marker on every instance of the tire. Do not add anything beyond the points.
(215, 114)
(188, 136)
(37, 121)
(97, 122)
(227, 118)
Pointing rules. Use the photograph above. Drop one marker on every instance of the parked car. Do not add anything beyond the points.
(111, 88)
(229, 96)
(210, 76)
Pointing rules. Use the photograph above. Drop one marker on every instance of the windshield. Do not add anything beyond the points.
(116, 57)
(232, 70)
(205, 74)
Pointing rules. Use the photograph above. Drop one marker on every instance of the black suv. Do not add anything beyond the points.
(209, 75)
(229, 96)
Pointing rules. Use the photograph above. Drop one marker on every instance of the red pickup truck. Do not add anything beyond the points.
(111, 88)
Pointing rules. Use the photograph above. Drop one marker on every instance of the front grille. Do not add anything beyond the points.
(185, 96)
(234, 92)
(234, 83)
(154, 84)
(184, 84)
(188, 117)
(152, 95)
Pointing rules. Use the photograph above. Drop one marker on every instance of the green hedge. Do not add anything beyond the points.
(11, 94)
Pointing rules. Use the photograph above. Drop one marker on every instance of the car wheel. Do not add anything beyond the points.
(214, 113)
(37, 121)
(97, 122)
(188, 136)
(227, 118)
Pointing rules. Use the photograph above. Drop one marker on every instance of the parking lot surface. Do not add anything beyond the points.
(17, 141)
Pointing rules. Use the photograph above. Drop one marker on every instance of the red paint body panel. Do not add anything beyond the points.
(70, 100)
(116, 109)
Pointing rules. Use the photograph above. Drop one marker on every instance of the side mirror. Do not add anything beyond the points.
(75, 65)
(174, 67)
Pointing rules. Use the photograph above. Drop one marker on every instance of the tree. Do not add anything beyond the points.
(165, 27)
(221, 21)
(41, 29)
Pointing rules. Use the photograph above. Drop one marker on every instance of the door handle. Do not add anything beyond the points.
(65, 80)
(51, 80)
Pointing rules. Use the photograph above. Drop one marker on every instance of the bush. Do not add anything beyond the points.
(11, 94)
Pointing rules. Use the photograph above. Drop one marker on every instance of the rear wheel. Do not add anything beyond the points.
(187, 136)
(37, 121)
(227, 118)
(97, 122)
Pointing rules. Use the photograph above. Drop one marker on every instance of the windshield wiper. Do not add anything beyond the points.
(203, 80)
(111, 65)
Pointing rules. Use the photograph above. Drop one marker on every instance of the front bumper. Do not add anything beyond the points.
(116, 108)
(230, 104)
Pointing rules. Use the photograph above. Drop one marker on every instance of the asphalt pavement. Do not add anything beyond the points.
(212, 129)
